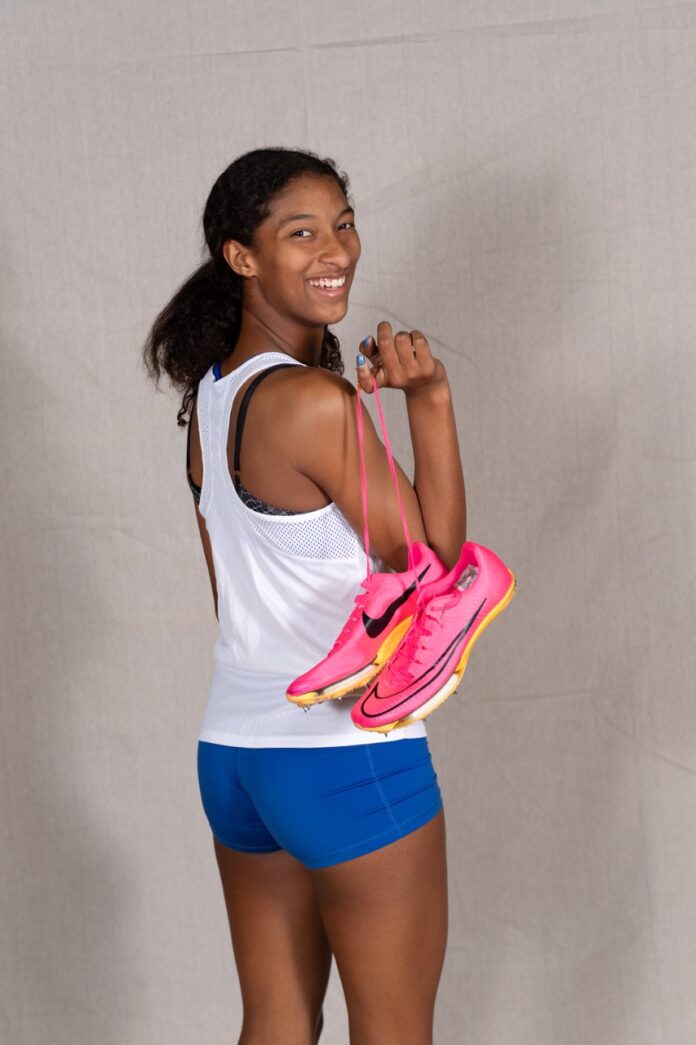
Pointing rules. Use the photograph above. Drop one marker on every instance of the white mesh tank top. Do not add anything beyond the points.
(286, 585)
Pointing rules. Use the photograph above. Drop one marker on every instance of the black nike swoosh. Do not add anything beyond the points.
(375, 625)
(441, 661)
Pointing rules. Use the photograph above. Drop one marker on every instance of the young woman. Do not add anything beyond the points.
(330, 840)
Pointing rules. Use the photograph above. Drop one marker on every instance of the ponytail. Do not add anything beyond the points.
(197, 327)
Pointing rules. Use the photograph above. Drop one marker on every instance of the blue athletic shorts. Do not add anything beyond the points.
(324, 805)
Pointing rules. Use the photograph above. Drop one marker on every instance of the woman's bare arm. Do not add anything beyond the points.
(438, 478)
(321, 437)
(405, 361)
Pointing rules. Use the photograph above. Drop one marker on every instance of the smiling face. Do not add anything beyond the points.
(309, 235)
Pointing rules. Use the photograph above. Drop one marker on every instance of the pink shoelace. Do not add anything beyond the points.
(409, 655)
(412, 651)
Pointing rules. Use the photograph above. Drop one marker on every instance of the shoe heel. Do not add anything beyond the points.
(461, 666)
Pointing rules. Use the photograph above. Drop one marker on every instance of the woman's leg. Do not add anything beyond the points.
(281, 949)
(385, 914)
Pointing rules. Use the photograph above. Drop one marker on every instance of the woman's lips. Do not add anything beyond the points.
(330, 292)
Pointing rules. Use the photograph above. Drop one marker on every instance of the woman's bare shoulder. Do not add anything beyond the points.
(303, 411)
(313, 388)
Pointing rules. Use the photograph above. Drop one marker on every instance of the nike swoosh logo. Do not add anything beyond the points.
(374, 626)
(440, 664)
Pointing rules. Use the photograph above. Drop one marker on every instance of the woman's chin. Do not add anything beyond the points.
(333, 312)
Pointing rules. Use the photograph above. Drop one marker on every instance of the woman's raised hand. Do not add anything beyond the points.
(401, 360)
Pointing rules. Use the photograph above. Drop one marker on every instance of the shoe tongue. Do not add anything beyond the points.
(442, 598)
(373, 580)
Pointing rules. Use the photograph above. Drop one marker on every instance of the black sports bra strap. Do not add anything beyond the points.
(195, 488)
(245, 404)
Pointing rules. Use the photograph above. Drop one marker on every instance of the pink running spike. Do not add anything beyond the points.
(380, 617)
(381, 613)
(427, 665)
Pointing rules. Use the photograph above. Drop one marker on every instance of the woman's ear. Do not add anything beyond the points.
(238, 257)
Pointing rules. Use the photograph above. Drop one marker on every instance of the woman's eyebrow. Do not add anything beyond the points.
(298, 217)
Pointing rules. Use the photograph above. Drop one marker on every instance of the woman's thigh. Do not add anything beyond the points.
(281, 950)
(386, 916)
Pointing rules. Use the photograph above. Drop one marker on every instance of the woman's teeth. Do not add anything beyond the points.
(328, 284)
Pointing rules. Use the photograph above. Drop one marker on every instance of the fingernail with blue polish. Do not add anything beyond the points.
(366, 342)
(360, 359)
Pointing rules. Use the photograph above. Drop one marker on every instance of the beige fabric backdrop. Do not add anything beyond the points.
(523, 173)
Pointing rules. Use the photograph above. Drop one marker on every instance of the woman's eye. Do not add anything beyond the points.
(309, 230)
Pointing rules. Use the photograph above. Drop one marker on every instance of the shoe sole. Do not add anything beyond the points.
(359, 678)
(455, 678)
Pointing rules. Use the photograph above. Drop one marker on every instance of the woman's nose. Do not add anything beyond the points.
(335, 251)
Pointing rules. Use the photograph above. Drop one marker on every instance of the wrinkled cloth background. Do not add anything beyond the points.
(523, 175)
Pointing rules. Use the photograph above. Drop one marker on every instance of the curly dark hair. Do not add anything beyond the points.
(201, 323)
